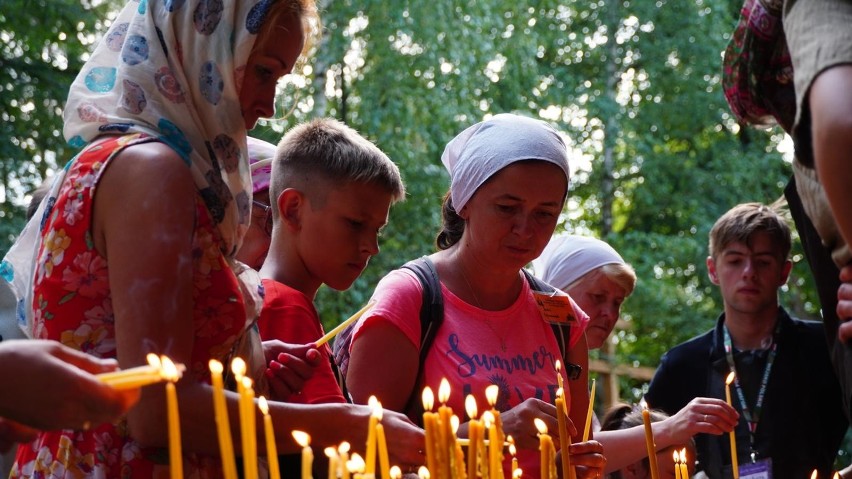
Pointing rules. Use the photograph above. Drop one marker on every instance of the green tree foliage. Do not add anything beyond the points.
(42, 46)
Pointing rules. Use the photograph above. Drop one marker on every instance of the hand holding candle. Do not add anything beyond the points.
(735, 470)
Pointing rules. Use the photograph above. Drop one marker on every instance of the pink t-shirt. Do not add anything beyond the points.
(468, 347)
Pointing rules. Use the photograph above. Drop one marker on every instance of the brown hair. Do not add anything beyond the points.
(743, 221)
(306, 10)
(326, 151)
(452, 225)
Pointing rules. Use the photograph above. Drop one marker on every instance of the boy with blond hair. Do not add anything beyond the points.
(331, 191)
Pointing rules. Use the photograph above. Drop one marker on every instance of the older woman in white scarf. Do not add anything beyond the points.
(599, 279)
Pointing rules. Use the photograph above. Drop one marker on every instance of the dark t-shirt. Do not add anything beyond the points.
(802, 421)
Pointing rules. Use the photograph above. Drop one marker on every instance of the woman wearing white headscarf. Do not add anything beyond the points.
(592, 273)
(599, 279)
(509, 182)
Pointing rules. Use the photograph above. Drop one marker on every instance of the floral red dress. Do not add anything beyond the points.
(72, 303)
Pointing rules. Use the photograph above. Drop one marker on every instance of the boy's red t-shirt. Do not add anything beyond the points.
(288, 315)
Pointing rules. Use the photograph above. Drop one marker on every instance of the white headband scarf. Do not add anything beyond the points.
(172, 69)
(480, 151)
(567, 258)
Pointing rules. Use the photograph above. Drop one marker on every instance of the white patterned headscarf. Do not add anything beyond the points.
(567, 258)
(485, 148)
(172, 69)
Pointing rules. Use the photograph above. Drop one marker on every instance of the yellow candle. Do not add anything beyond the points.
(495, 452)
(472, 435)
(483, 446)
(513, 451)
(384, 457)
(732, 435)
(491, 393)
(558, 367)
(588, 429)
(447, 446)
(333, 464)
(223, 427)
(250, 438)
(304, 440)
(676, 464)
(175, 455)
(370, 456)
(269, 435)
(319, 342)
(649, 443)
(343, 450)
(545, 445)
(564, 437)
(684, 471)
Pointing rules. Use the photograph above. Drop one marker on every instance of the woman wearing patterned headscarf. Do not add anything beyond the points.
(137, 242)
(509, 182)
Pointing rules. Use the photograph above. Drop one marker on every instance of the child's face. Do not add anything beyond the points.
(339, 233)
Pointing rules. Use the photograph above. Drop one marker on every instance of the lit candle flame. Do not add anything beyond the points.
(643, 404)
(560, 393)
(423, 473)
(154, 360)
(263, 405)
(470, 406)
(444, 391)
(813, 474)
(170, 371)
(540, 425)
(683, 455)
(518, 473)
(302, 438)
(558, 366)
(356, 463)
(238, 367)
(487, 419)
(491, 393)
(216, 367)
(675, 457)
(454, 423)
(329, 452)
(512, 449)
(730, 378)
(344, 447)
(395, 472)
(428, 399)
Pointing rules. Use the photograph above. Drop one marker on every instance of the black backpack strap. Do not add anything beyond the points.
(562, 332)
(431, 317)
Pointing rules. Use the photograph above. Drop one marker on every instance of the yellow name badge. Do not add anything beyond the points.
(555, 307)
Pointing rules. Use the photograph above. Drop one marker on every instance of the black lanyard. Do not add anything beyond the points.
(752, 418)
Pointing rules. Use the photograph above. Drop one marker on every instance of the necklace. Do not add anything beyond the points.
(500, 337)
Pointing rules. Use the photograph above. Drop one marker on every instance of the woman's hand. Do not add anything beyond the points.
(587, 457)
(701, 415)
(78, 401)
(518, 422)
(406, 442)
